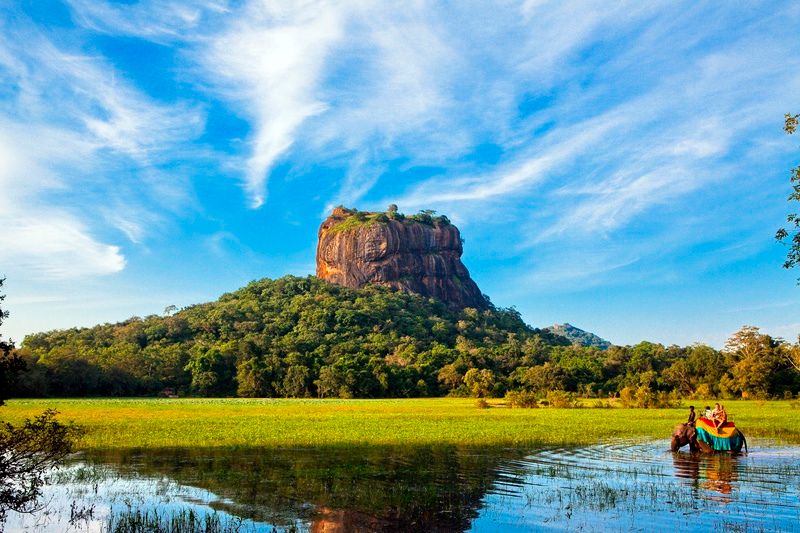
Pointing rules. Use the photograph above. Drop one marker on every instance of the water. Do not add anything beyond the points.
(613, 487)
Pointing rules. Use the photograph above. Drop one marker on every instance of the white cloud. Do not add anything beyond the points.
(74, 136)
(269, 62)
(599, 126)
(51, 245)
(40, 240)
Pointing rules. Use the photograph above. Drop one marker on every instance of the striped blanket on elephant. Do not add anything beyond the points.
(726, 438)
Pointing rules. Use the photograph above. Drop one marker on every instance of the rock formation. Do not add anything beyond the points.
(420, 254)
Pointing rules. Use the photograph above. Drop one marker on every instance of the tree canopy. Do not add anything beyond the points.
(27, 451)
(305, 337)
(791, 233)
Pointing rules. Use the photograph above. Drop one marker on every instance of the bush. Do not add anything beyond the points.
(626, 398)
(522, 399)
(481, 403)
(562, 399)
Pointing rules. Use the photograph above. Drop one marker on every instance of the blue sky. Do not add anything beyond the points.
(616, 165)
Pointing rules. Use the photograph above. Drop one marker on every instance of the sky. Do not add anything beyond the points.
(620, 166)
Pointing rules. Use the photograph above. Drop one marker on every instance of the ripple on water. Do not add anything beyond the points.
(630, 486)
(616, 486)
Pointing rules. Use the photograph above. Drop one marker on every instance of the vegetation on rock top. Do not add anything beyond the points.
(355, 218)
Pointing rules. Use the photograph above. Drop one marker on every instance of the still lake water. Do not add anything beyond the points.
(613, 487)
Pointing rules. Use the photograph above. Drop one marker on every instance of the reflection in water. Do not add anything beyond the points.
(715, 473)
(611, 487)
(334, 489)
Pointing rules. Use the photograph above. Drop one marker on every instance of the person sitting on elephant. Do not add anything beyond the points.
(707, 413)
(719, 416)
(692, 415)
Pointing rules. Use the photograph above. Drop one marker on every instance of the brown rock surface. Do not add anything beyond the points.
(411, 256)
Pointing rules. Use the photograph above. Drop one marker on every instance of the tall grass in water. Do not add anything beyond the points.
(184, 521)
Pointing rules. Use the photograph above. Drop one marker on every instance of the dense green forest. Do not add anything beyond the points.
(304, 337)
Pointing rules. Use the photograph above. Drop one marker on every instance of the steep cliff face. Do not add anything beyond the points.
(416, 257)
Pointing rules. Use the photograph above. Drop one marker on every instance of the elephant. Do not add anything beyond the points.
(687, 434)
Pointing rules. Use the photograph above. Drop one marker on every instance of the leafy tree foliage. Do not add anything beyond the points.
(28, 451)
(10, 362)
(291, 337)
(792, 231)
(304, 337)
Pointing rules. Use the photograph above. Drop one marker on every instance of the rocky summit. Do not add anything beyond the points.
(418, 254)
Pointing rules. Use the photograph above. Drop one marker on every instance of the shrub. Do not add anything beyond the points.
(626, 398)
(522, 399)
(562, 399)
(481, 403)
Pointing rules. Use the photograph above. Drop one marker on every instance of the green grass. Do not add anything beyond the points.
(161, 423)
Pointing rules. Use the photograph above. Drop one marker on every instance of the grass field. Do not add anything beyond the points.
(162, 423)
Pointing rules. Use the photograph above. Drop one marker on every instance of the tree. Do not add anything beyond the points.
(542, 378)
(479, 382)
(328, 382)
(27, 452)
(253, 377)
(792, 231)
(11, 365)
(793, 354)
(295, 383)
(757, 362)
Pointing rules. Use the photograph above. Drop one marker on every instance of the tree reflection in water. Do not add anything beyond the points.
(333, 489)
(610, 486)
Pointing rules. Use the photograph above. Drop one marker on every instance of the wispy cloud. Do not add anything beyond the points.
(605, 142)
(157, 20)
(56, 245)
(71, 132)
(269, 62)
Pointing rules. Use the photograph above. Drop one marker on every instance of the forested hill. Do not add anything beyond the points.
(286, 337)
(301, 337)
(579, 336)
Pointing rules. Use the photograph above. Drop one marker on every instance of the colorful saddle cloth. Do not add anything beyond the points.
(726, 438)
